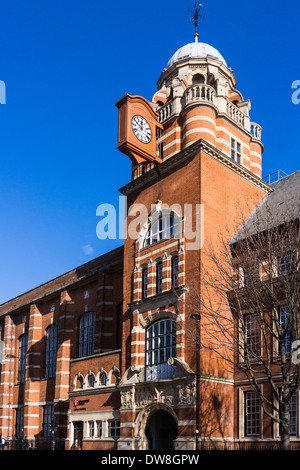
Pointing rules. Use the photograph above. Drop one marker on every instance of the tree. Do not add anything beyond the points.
(249, 305)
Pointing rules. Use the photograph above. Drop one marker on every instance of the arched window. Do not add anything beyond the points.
(162, 227)
(91, 380)
(51, 351)
(160, 346)
(87, 334)
(103, 379)
(198, 79)
(79, 381)
(22, 356)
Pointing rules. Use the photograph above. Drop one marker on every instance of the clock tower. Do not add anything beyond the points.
(192, 146)
(137, 132)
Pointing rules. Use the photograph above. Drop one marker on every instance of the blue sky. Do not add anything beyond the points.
(66, 63)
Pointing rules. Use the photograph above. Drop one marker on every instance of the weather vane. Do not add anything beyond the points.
(196, 17)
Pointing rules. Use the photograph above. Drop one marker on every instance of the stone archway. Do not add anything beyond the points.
(161, 430)
(156, 427)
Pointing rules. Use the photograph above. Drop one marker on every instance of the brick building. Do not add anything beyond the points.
(102, 355)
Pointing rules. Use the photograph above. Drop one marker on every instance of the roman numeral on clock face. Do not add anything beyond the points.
(141, 129)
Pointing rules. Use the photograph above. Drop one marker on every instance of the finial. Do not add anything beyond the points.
(196, 18)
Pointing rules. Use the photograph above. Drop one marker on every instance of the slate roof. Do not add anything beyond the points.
(280, 206)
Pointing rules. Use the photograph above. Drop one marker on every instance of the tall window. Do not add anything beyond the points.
(164, 227)
(252, 336)
(159, 278)
(99, 428)
(175, 271)
(23, 344)
(252, 414)
(91, 428)
(285, 327)
(87, 334)
(48, 420)
(236, 151)
(144, 283)
(51, 351)
(293, 415)
(160, 346)
(20, 423)
(287, 264)
(293, 412)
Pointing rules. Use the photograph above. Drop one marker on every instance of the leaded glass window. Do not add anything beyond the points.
(23, 345)
(144, 283)
(114, 428)
(159, 278)
(51, 351)
(160, 346)
(252, 414)
(175, 271)
(48, 420)
(252, 336)
(87, 334)
(162, 228)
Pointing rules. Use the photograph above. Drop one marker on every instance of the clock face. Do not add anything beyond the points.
(141, 129)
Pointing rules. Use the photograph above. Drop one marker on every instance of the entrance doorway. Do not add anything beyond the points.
(161, 430)
(78, 433)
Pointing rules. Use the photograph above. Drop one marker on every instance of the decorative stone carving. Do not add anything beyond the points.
(127, 399)
(172, 394)
(186, 394)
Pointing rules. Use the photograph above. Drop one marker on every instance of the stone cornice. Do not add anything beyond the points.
(204, 61)
(187, 153)
(155, 301)
(69, 280)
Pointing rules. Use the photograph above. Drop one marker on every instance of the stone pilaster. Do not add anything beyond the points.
(7, 379)
(31, 385)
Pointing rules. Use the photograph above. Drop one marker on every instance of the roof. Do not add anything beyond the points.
(70, 278)
(196, 50)
(280, 206)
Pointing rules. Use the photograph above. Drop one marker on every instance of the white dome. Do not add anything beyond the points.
(196, 50)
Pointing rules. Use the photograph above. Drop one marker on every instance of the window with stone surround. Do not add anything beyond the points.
(114, 428)
(22, 356)
(144, 283)
(99, 428)
(293, 413)
(48, 420)
(236, 151)
(160, 346)
(252, 414)
(51, 351)
(174, 271)
(87, 334)
(252, 336)
(159, 278)
(162, 227)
